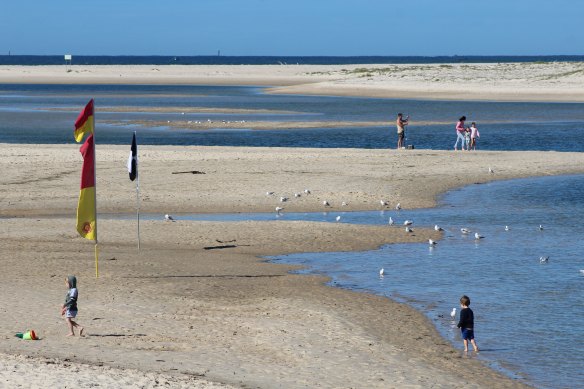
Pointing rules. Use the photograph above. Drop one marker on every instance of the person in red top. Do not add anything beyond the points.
(460, 131)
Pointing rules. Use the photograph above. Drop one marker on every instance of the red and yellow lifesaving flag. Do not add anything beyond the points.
(86, 217)
(84, 122)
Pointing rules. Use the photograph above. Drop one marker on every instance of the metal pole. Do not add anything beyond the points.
(95, 194)
(137, 193)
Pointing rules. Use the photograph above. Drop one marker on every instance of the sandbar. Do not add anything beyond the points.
(224, 316)
(532, 81)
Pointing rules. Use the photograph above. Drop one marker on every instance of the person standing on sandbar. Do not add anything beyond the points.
(401, 129)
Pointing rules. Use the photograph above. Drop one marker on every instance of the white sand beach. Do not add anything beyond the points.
(190, 317)
(535, 81)
(186, 312)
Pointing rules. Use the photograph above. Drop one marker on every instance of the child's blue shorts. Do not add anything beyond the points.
(467, 334)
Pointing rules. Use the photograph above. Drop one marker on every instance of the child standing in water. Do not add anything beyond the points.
(474, 134)
(466, 324)
(69, 309)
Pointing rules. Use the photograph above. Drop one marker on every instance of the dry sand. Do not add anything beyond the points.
(546, 81)
(190, 316)
(178, 315)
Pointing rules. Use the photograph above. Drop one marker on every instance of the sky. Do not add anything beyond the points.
(292, 27)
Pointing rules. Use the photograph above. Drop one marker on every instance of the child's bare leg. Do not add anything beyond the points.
(474, 345)
(77, 326)
(465, 344)
(70, 326)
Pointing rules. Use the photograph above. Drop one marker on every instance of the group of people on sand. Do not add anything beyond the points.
(468, 136)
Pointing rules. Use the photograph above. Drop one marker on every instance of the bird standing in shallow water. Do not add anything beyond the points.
(453, 313)
(381, 272)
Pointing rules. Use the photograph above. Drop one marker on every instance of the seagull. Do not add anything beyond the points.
(477, 236)
(306, 191)
(381, 272)
(343, 204)
(408, 223)
(453, 313)
(338, 218)
(540, 227)
(168, 218)
(431, 242)
(465, 231)
(408, 229)
(326, 203)
(390, 222)
(398, 207)
(544, 259)
(279, 209)
(283, 199)
(297, 195)
(269, 193)
(384, 203)
(438, 228)
(507, 228)
(582, 271)
(491, 170)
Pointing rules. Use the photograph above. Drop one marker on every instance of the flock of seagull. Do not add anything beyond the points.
(391, 222)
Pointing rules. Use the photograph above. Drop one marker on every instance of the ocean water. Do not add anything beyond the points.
(28, 115)
(33, 60)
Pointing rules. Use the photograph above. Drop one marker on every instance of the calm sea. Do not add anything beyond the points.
(270, 60)
(28, 115)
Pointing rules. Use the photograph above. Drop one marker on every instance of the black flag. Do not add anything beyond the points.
(133, 160)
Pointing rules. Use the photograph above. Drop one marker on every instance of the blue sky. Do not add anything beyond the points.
(292, 27)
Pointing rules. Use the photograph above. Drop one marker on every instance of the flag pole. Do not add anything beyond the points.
(95, 195)
(137, 194)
